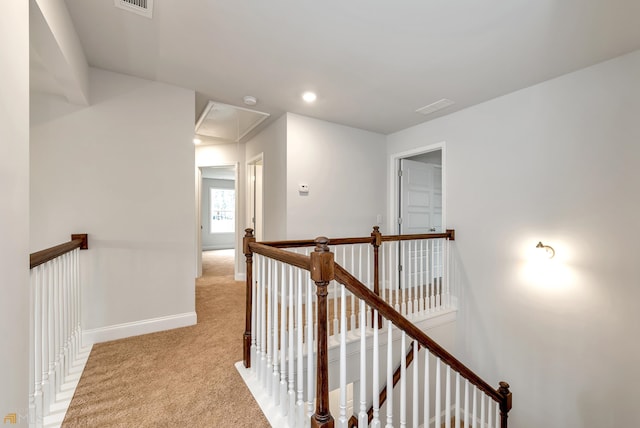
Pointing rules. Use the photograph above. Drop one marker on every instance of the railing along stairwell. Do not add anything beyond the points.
(57, 355)
(312, 335)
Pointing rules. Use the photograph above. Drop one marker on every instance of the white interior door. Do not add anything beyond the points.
(420, 197)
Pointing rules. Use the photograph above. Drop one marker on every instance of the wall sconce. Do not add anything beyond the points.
(549, 251)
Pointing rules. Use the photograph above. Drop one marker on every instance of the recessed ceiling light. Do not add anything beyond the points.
(309, 97)
(197, 141)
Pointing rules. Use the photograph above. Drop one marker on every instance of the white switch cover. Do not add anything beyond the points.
(303, 188)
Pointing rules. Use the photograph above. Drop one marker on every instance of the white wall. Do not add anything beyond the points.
(14, 215)
(557, 162)
(346, 173)
(272, 143)
(120, 170)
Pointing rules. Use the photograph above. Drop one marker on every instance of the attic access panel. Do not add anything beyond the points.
(227, 122)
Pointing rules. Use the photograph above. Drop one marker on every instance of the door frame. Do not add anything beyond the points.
(199, 225)
(394, 182)
(257, 159)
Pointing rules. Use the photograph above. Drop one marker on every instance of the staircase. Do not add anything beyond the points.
(340, 324)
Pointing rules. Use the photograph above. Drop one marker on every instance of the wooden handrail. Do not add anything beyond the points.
(449, 234)
(383, 308)
(41, 257)
(297, 260)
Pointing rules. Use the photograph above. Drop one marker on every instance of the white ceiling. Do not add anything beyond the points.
(371, 62)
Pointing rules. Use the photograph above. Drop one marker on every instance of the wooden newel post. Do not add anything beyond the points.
(376, 241)
(246, 342)
(322, 272)
(505, 405)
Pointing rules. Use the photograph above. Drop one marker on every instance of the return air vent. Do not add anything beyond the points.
(141, 7)
(433, 107)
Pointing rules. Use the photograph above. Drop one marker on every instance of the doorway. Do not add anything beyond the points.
(218, 217)
(255, 209)
(418, 190)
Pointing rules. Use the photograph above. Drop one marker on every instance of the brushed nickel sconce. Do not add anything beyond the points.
(548, 249)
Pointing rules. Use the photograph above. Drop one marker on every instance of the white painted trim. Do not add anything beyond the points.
(136, 328)
(393, 182)
(240, 276)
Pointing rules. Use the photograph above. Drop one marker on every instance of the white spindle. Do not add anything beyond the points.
(414, 394)
(474, 415)
(466, 404)
(389, 375)
(254, 314)
(456, 413)
(497, 406)
(403, 381)
(438, 404)
(395, 274)
(300, 414)
(403, 277)
(490, 403)
(268, 378)
(362, 414)
(375, 384)
(416, 277)
(447, 399)
(421, 303)
(482, 410)
(342, 419)
(275, 374)
(284, 405)
(310, 359)
(291, 392)
(427, 388)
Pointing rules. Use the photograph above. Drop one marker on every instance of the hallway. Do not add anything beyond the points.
(182, 377)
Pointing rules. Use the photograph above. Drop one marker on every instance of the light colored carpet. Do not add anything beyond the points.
(178, 378)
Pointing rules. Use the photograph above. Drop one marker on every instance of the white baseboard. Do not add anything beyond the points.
(136, 328)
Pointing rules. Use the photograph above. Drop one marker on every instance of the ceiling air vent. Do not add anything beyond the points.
(141, 7)
(433, 107)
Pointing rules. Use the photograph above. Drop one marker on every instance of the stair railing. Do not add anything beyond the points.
(288, 323)
(57, 354)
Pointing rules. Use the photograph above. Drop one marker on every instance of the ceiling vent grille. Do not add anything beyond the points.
(434, 107)
(141, 7)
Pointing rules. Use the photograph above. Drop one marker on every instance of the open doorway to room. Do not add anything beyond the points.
(418, 190)
(218, 210)
(255, 196)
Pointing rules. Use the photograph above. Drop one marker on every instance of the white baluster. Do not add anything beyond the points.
(260, 340)
(490, 403)
(432, 285)
(342, 418)
(375, 386)
(275, 374)
(389, 375)
(300, 418)
(403, 382)
(446, 272)
(438, 404)
(269, 344)
(284, 405)
(416, 365)
(310, 360)
(482, 410)
(497, 415)
(291, 392)
(362, 414)
(456, 413)
(396, 274)
(254, 313)
(38, 284)
(447, 399)
(403, 278)
(427, 388)
(416, 278)
(48, 390)
(336, 314)
(466, 404)
(421, 303)
(474, 416)
(384, 287)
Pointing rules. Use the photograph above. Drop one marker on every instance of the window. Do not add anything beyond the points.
(222, 210)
